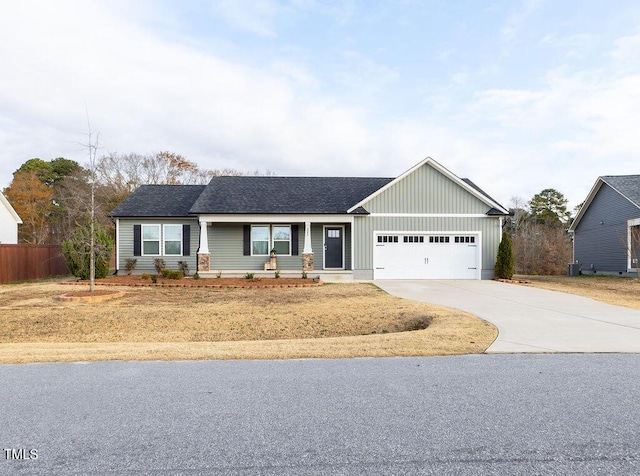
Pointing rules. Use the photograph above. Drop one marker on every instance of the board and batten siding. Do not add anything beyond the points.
(426, 190)
(145, 264)
(489, 229)
(226, 253)
(600, 239)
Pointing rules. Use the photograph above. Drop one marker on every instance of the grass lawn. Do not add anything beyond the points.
(610, 289)
(152, 323)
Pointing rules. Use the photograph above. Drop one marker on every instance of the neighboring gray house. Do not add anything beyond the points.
(426, 223)
(607, 228)
(9, 221)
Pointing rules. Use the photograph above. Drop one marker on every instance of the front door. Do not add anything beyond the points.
(333, 247)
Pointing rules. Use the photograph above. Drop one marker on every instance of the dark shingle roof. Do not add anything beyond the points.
(258, 194)
(493, 211)
(159, 201)
(627, 185)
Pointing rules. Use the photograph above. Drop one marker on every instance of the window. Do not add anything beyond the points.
(333, 233)
(387, 238)
(282, 239)
(173, 240)
(438, 239)
(414, 239)
(260, 240)
(151, 240)
(465, 239)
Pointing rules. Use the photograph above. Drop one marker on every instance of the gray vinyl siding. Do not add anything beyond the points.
(489, 228)
(600, 239)
(426, 190)
(226, 240)
(145, 264)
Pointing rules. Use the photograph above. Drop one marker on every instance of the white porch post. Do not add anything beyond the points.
(307, 252)
(204, 258)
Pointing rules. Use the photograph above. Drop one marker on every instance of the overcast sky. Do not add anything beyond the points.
(516, 95)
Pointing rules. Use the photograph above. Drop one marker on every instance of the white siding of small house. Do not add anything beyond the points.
(8, 223)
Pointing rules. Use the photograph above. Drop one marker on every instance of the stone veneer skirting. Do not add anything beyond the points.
(204, 262)
(307, 262)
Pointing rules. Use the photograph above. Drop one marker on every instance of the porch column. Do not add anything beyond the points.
(204, 258)
(307, 252)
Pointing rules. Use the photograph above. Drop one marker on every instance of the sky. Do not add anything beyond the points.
(517, 95)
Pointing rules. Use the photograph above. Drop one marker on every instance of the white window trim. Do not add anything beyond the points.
(630, 224)
(271, 241)
(164, 240)
(142, 240)
(268, 227)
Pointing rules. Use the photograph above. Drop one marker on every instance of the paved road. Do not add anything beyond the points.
(467, 415)
(530, 319)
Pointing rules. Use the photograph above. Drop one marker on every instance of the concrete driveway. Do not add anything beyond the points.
(530, 319)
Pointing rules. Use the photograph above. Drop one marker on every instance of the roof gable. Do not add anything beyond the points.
(628, 186)
(10, 209)
(159, 201)
(464, 184)
(270, 194)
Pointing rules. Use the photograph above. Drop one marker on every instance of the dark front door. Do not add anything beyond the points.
(333, 246)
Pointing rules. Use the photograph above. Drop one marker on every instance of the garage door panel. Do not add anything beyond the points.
(426, 256)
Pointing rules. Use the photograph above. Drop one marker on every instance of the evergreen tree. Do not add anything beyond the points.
(77, 252)
(504, 268)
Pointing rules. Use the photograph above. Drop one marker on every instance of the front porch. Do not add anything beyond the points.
(235, 245)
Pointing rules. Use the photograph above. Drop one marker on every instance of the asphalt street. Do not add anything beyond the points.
(478, 414)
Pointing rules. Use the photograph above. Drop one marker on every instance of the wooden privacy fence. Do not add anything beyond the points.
(23, 262)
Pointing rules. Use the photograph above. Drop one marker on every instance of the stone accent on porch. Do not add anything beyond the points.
(307, 262)
(204, 262)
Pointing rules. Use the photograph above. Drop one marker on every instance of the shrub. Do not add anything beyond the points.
(171, 274)
(219, 274)
(154, 278)
(504, 267)
(184, 267)
(159, 264)
(196, 276)
(131, 265)
(248, 276)
(77, 252)
(304, 275)
(276, 274)
(146, 276)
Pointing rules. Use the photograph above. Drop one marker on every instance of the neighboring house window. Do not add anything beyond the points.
(282, 239)
(260, 240)
(151, 240)
(172, 239)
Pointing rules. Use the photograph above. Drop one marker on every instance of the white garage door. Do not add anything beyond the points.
(426, 256)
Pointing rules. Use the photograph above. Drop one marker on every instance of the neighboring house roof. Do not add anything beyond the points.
(159, 201)
(628, 186)
(13, 213)
(258, 194)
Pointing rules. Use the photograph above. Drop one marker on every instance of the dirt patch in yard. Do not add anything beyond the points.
(333, 320)
(610, 289)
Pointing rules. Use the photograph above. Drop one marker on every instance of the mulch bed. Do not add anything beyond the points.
(136, 280)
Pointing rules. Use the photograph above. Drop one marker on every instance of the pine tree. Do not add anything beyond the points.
(505, 267)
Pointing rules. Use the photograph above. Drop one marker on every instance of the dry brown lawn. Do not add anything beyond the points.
(610, 289)
(332, 320)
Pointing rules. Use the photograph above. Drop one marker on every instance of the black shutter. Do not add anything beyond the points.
(294, 240)
(246, 244)
(137, 240)
(186, 239)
